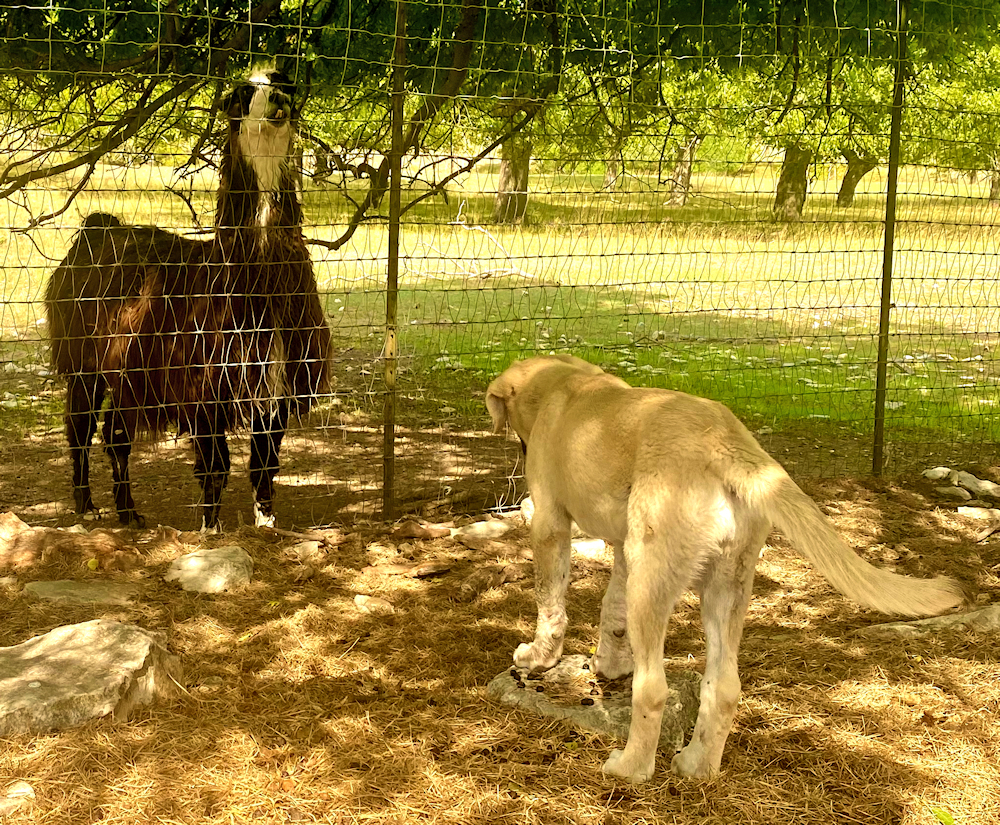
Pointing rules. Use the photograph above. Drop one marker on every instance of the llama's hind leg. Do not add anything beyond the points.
(119, 430)
(84, 396)
(265, 442)
(211, 468)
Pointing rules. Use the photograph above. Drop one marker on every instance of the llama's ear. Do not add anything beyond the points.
(496, 403)
(237, 97)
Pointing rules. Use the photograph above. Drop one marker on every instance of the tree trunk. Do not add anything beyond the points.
(790, 196)
(857, 168)
(323, 168)
(680, 178)
(512, 192)
(612, 172)
(995, 180)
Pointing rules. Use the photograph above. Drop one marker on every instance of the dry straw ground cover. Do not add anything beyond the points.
(300, 708)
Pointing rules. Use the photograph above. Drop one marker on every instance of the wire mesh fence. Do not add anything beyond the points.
(695, 199)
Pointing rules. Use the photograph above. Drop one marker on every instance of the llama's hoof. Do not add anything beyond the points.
(130, 518)
(262, 517)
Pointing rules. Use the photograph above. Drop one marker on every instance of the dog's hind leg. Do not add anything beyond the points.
(613, 658)
(725, 594)
(659, 568)
(550, 539)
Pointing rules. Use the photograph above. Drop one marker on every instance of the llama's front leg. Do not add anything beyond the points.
(265, 442)
(211, 468)
(118, 433)
(550, 539)
(84, 396)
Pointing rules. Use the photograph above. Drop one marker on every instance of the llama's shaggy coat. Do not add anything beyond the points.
(209, 335)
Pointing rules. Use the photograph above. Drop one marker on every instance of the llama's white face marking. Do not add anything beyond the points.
(266, 133)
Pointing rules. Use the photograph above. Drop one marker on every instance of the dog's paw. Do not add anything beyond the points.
(620, 765)
(612, 665)
(529, 657)
(691, 763)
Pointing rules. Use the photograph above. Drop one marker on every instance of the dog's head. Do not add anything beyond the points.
(515, 396)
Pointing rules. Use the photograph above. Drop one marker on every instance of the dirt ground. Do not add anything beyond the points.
(298, 707)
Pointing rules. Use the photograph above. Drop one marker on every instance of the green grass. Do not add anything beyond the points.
(714, 298)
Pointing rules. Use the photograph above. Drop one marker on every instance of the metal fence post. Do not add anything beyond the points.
(878, 446)
(392, 269)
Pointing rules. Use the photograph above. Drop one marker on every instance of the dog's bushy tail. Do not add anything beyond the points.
(763, 484)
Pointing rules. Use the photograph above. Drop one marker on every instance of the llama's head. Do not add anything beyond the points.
(262, 124)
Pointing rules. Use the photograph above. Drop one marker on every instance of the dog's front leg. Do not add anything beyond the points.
(613, 658)
(550, 539)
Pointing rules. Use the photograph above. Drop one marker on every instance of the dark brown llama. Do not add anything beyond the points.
(209, 335)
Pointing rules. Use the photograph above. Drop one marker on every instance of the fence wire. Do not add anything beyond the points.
(692, 199)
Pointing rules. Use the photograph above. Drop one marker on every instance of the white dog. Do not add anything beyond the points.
(686, 497)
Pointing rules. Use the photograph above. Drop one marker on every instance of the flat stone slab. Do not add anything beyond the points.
(80, 672)
(571, 692)
(85, 592)
(986, 620)
(212, 570)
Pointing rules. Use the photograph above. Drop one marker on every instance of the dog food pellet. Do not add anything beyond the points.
(539, 688)
(586, 700)
(585, 666)
(520, 684)
(514, 674)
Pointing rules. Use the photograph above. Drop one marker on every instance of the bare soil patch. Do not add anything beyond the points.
(299, 707)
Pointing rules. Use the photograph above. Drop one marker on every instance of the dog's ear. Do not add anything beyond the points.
(497, 405)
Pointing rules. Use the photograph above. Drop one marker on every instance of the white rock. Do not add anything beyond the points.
(981, 513)
(373, 604)
(212, 570)
(482, 530)
(527, 509)
(940, 474)
(80, 672)
(17, 795)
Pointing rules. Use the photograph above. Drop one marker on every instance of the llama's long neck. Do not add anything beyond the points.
(258, 206)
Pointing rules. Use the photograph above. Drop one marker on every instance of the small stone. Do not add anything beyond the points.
(373, 604)
(18, 795)
(212, 570)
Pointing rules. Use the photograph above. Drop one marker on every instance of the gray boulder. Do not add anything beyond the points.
(84, 592)
(80, 672)
(570, 692)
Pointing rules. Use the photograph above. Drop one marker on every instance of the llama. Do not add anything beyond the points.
(208, 335)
